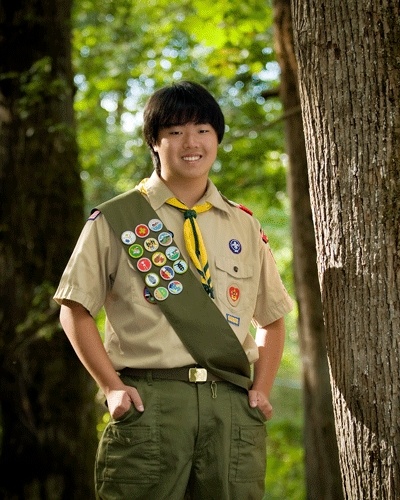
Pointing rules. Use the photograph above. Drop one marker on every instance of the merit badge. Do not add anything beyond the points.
(233, 294)
(148, 297)
(135, 251)
(159, 259)
(161, 293)
(128, 237)
(142, 231)
(165, 238)
(180, 266)
(172, 253)
(235, 246)
(144, 264)
(152, 279)
(151, 244)
(167, 273)
(233, 320)
(155, 225)
(175, 287)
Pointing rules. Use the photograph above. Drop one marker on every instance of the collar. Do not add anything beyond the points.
(159, 193)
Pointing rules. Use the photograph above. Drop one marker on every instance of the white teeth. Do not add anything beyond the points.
(191, 158)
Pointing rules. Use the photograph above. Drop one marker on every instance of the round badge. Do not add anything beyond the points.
(148, 297)
(172, 253)
(167, 273)
(159, 259)
(180, 266)
(165, 238)
(135, 251)
(144, 264)
(155, 225)
(142, 231)
(128, 237)
(235, 246)
(152, 279)
(151, 244)
(175, 287)
(161, 293)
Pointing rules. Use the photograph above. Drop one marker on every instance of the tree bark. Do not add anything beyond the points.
(348, 54)
(323, 480)
(47, 404)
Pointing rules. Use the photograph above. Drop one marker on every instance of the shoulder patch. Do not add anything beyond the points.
(238, 205)
(95, 213)
(264, 237)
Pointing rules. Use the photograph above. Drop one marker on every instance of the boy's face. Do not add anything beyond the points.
(186, 151)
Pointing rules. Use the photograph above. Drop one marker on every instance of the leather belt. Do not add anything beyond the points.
(194, 374)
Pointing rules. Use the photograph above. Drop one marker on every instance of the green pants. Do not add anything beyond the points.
(193, 441)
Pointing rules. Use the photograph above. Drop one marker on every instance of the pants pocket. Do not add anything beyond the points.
(129, 449)
(248, 444)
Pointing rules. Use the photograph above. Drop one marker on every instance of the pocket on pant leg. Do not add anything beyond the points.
(248, 453)
(129, 450)
(248, 443)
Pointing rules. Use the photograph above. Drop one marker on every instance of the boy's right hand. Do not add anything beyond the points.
(119, 401)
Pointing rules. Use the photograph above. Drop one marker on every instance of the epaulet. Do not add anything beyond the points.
(237, 205)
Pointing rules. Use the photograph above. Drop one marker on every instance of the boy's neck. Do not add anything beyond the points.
(188, 192)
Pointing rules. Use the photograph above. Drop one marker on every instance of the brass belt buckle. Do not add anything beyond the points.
(197, 375)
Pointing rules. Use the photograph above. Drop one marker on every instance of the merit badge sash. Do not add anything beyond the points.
(173, 286)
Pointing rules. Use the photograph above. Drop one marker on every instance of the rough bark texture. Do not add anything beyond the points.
(323, 480)
(46, 399)
(349, 66)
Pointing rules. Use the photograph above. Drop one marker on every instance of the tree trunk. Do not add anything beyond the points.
(47, 406)
(323, 481)
(348, 54)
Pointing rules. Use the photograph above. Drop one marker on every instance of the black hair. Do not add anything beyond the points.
(178, 104)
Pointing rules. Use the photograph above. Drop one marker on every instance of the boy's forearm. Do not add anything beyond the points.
(270, 340)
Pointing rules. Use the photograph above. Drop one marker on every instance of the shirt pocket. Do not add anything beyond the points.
(234, 284)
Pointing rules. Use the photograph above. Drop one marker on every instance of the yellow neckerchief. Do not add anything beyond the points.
(192, 236)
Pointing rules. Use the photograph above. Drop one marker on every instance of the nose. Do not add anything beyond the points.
(190, 139)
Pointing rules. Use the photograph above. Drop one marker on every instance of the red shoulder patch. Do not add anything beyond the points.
(245, 209)
(264, 237)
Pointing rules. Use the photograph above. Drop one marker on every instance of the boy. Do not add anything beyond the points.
(180, 287)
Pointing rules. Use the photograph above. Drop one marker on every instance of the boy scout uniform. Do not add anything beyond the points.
(194, 428)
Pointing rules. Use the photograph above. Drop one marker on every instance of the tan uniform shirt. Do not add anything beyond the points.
(244, 275)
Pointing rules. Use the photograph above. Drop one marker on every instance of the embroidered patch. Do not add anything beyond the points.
(148, 297)
(144, 264)
(233, 294)
(264, 237)
(172, 253)
(142, 231)
(94, 215)
(150, 244)
(128, 237)
(152, 279)
(175, 287)
(180, 266)
(136, 251)
(161, 293)
(159, 259)
(155, 225)
(233, 320)
(235, 246)
(165, 238)
(167, 273)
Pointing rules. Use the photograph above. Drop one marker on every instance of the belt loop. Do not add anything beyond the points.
(149, 377)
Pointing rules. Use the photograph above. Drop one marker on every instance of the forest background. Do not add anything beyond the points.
(70, 137)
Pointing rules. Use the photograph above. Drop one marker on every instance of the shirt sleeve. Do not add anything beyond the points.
(88, 275)
(273, 300)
